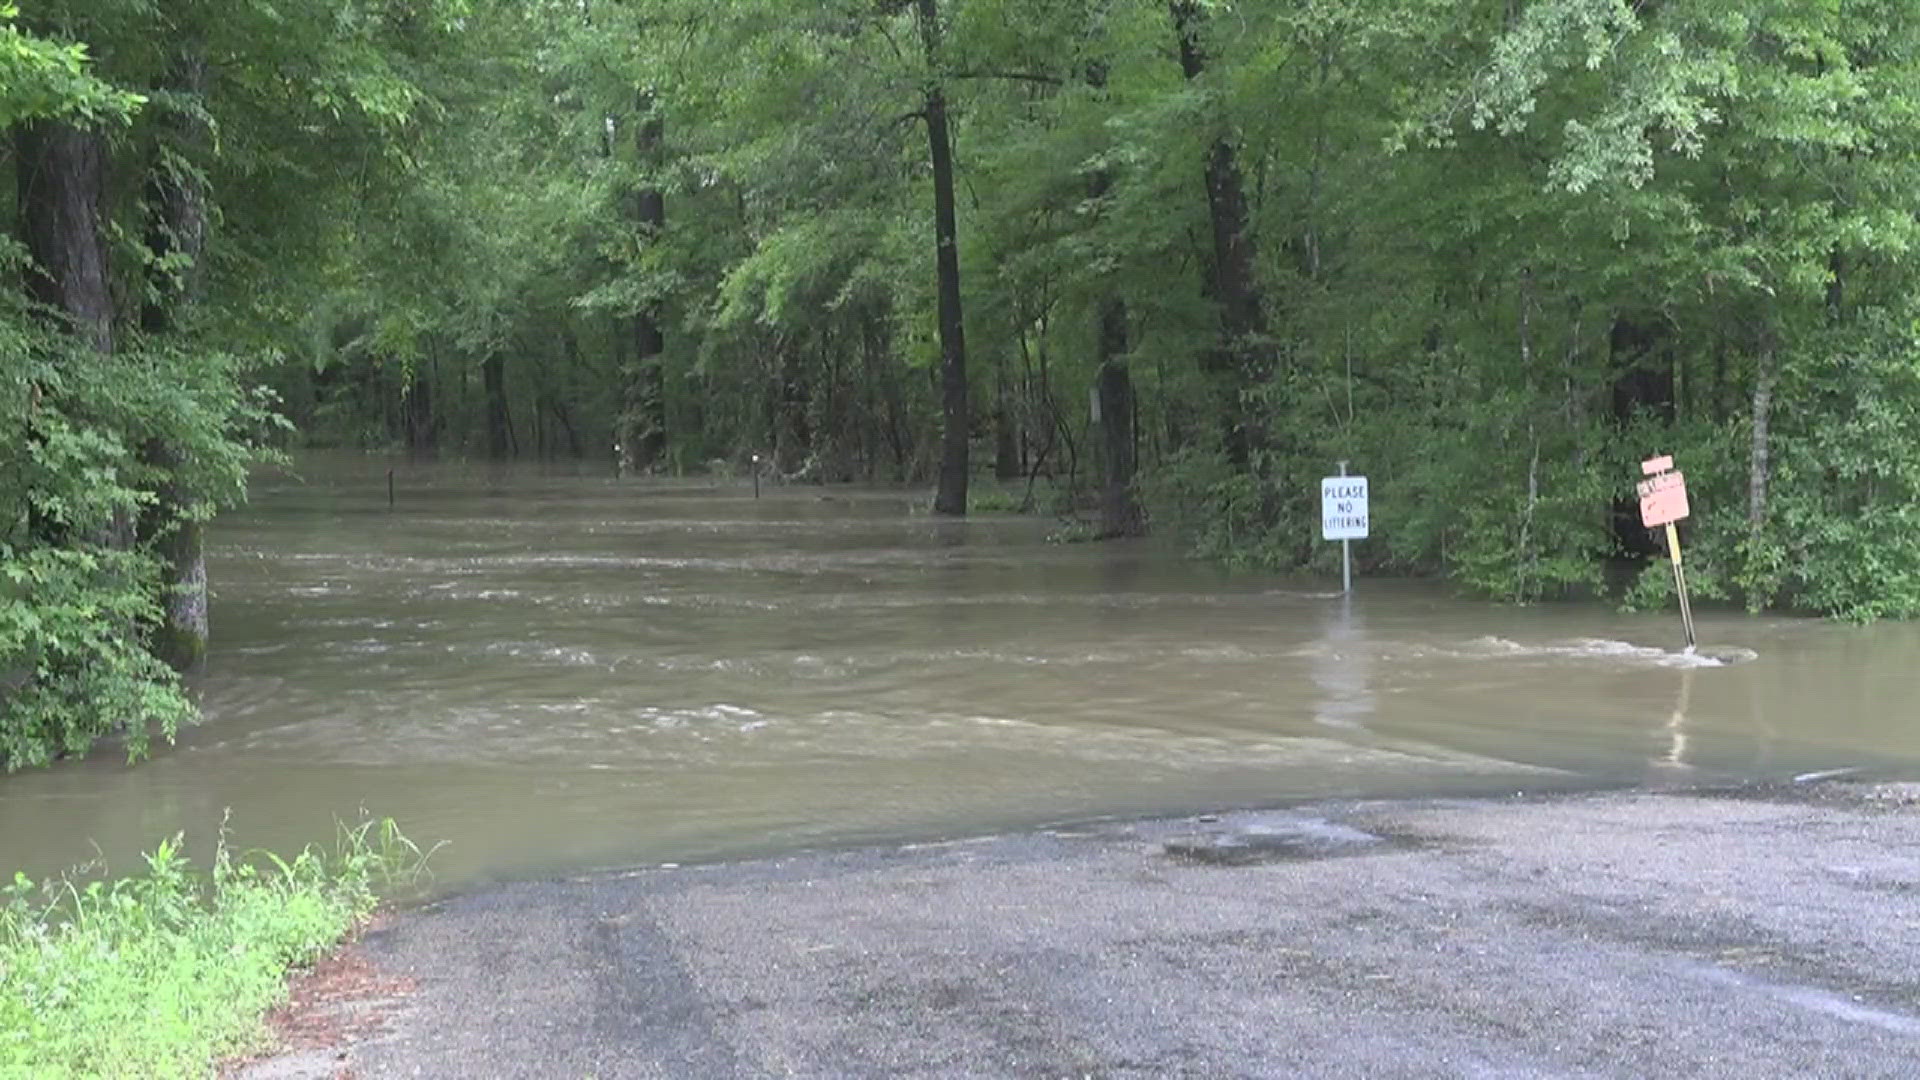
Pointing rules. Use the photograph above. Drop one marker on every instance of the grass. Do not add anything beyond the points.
(169, 971)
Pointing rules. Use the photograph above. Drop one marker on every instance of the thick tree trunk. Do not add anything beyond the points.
(179, 542)
(62, 178)
(62, 175)
(1245, 356)
(1639, 356)
(952, 495)
(1113, 386)
(1243, 313)
(177, 236)
(176, 213)
(792, 439)
(645, 439)
(423, 434)
(493, 374)
(1119, 509)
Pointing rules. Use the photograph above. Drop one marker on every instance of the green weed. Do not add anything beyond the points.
(166, 972)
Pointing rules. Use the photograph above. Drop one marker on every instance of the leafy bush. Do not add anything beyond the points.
(1217, 511)
(80, 518)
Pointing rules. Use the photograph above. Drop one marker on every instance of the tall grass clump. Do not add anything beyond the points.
(167, 972)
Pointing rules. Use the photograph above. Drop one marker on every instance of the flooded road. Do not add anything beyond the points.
(557, 671)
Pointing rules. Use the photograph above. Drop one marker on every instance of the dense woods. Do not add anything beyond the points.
(1178, 256)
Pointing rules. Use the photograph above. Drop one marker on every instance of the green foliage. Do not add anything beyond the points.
(279, 111)
(81, 598)
(1838, 537)
(1502, 251)
(1217, 511)
(43, 79)
(166, 972)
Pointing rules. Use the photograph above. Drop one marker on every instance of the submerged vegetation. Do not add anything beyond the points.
(169, 971)
(1176, 256)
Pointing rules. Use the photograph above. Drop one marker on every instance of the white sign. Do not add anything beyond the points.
(1343, 508)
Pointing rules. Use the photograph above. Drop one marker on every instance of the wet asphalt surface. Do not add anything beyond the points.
(1769, 932)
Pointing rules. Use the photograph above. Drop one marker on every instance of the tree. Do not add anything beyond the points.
(131, 416)
(956, 433)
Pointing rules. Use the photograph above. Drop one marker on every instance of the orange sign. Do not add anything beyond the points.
(1663, 499)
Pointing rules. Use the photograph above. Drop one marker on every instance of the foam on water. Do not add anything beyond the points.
(1604, 649)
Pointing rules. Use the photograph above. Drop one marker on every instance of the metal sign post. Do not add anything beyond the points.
(1346, 555)
(1343, 517)
(1663, 501)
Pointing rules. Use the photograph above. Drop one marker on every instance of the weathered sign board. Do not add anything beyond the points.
(1663, 501)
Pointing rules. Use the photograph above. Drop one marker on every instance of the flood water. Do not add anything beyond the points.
(555, 671)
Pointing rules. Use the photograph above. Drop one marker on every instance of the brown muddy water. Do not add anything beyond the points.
(558, 671)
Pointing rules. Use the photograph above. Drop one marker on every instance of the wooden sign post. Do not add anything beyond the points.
(1663, 501)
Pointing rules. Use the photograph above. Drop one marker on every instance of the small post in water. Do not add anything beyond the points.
(389, 489)
(1663, 501)
(756, 476)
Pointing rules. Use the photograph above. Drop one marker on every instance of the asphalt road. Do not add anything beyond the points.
(1760, 933)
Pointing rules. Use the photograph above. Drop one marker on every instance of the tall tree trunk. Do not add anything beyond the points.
(1640, 367)
(792, 439)
(1113, 384)
(1759, 464)
(422, 429)
(176, 211)
(177, 238)
(62, 176)
(493, 373)
(61, 171)
(951, 497)
(1245, 356)
(646, 436)
(1119, 509)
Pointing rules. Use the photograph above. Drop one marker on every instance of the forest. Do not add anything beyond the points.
(1153, 265)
